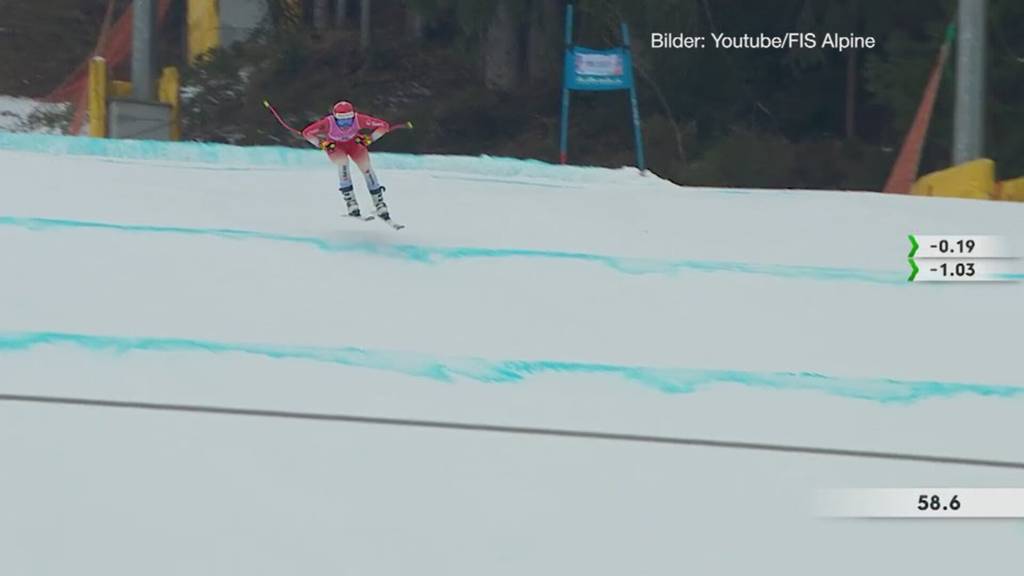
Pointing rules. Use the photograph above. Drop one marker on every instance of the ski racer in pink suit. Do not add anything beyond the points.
(345, 134)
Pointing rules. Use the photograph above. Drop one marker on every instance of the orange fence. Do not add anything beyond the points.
(115, 46)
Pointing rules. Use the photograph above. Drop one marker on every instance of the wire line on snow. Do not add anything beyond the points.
(504, 429)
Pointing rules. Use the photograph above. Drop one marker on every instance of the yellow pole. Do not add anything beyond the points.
(169, 90)
(97, 97)
(203, 27)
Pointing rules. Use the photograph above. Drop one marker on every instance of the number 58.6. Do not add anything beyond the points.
(924, 502)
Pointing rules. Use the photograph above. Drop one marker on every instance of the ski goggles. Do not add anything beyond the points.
(344, 120)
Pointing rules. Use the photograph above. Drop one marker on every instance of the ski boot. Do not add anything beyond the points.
(382, 208)
(350, 202)
(378, 203)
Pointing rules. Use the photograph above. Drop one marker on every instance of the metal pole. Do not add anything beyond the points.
(143, 68)
(563, 143)
(634, 107)
(320, 15)
(969, 114)
(414, 23)
(340, 13)
(364, 25)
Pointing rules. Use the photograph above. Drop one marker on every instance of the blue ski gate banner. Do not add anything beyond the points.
(598, 70)
(587, 69)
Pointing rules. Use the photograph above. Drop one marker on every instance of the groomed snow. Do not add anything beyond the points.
(520, 294)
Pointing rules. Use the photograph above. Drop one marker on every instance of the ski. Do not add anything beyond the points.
(391, 223)
(367, 218)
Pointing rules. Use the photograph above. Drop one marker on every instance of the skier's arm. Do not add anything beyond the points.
(314, 132)
(379, 127)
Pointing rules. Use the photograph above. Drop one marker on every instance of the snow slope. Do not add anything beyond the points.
(521, 294)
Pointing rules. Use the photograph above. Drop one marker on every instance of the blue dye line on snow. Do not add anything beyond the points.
(667, 380)
(432, 254)
(502, 181)
(226, 155)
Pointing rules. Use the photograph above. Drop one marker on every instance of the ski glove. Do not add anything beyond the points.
(363, 139)
(327, 145)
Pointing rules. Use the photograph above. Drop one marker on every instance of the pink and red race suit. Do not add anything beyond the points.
(326, 129)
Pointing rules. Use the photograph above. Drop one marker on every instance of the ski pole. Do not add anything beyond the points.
(277, 116)
(268, 106)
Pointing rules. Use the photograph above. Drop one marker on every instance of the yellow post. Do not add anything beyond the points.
(975, 179)
(203, 27)
(121, 89)
(97, 97)
(169, 90)
(1011, 190)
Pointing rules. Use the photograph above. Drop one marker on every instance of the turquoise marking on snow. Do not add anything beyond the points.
(667, 380)
(228, 156)
(433, 254)
(532, 184)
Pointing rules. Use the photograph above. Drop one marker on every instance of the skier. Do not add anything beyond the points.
(345, 134)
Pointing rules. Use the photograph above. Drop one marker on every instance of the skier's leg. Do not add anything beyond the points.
(362, 160)
(340, 158)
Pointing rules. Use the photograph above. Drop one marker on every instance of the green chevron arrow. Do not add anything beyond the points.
(913, 267)
(913, 246)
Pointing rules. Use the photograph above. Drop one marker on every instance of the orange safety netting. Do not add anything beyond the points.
(115, 46)
(904, 170)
